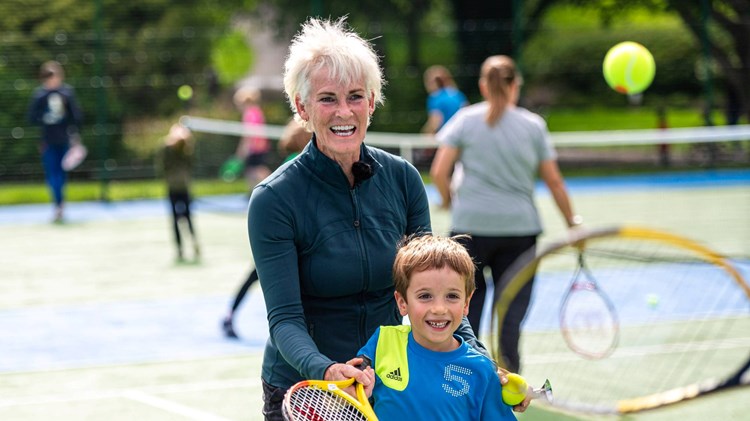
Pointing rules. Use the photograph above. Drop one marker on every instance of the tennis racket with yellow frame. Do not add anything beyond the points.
(320, 400)
(674, 323)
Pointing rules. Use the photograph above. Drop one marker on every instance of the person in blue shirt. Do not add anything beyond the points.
(443, 100)
(55, 109)
(424, 368)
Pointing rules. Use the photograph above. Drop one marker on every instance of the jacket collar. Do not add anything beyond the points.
(329, 170)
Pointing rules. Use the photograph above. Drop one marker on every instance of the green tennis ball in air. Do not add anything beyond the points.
(185, 92)
(652, 300)
(629, 68)
(514, 392)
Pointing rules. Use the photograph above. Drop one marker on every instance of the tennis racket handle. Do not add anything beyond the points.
(366, 362)
(544, 392)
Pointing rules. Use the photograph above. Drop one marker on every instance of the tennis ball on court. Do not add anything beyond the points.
(629, 68)
(185, 92)
(652, 300)
(514, 392)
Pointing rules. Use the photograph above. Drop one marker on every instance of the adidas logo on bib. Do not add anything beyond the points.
(395, 375)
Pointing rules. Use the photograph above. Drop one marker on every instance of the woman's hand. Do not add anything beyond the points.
(340, 371)
(368, 371)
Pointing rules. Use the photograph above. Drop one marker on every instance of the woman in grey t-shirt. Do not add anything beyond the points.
(502, 148)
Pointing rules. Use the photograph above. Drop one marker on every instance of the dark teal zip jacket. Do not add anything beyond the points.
(324, 252)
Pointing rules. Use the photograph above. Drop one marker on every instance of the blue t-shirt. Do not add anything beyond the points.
(457, 385)
(446, 101)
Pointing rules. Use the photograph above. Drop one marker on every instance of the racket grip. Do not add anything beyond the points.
(366, 362)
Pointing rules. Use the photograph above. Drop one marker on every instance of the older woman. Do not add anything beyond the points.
(324, 226)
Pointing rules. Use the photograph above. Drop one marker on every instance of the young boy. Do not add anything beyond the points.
(424, 369)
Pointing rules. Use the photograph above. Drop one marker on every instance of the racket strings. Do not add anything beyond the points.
(312, 403)
(587, 320)
(683, 320)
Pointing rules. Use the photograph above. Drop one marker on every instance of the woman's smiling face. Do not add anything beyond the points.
(338, 114)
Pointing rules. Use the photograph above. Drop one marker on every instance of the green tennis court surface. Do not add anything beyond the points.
(98, 322)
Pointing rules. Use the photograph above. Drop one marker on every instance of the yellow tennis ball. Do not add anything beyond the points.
(185, 92)
(514, 392)
(652, 300)
(629, 68)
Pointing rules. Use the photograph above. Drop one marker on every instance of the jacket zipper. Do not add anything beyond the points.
(365, 281)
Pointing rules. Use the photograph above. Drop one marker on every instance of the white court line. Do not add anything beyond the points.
(80, 396)
(173, 407)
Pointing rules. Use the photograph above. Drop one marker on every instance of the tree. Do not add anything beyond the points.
(367, 16)
(723, 26)
(128, 57)
(720, 27)
(484, 28)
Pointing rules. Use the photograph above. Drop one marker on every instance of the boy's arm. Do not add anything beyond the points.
(467, 333)
(493, 407)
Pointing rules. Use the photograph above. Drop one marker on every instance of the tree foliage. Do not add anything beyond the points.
(139, 50)
(720, 30)
(125, 59)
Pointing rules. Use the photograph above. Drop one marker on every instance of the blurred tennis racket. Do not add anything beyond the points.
(75, 155)
(588, 320)
(674, 323)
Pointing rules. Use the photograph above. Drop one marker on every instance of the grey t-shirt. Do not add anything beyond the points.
(500, 165)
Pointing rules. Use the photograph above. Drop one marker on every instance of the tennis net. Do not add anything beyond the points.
(679, 147)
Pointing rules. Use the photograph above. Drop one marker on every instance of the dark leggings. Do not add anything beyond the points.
(243, 290)
(498, 253)
(180, 203)
(273, 398)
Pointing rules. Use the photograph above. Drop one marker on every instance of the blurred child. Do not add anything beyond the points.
(252, 149)
(293, 139)
(176, 162)
(54, 108)
(425, 368)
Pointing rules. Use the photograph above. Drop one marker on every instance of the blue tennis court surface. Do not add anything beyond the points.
(85, 211)
(697, 179)
(50, 338)
(678, 297)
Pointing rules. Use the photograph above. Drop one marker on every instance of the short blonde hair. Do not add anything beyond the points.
(325, 43)
(418, 253)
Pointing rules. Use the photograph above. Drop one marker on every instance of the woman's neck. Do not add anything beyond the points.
(345, 161)
(346, 165)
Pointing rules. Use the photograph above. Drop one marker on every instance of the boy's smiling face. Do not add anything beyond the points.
(435, 302)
